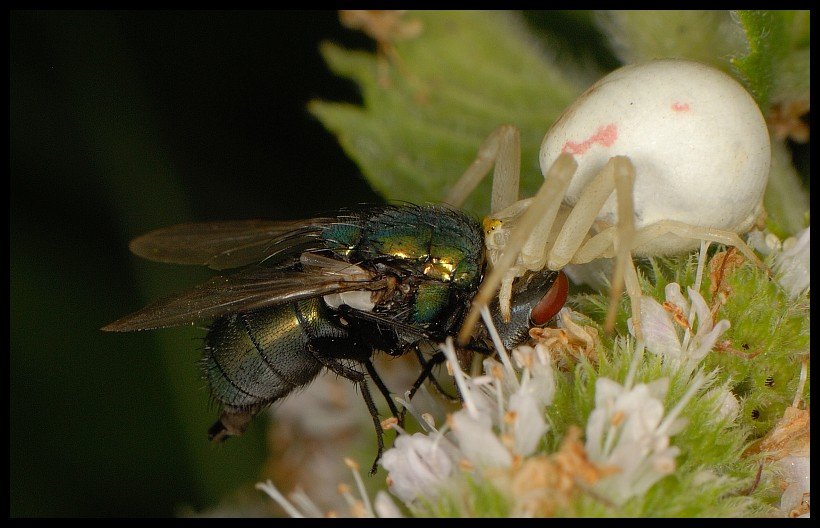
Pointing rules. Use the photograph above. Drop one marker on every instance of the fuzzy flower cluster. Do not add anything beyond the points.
(502, 421)
(629, 430)
(497, 434)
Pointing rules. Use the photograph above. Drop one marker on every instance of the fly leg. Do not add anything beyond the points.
(427, 372)
(382, 388)
(320, 348)
(368, 400)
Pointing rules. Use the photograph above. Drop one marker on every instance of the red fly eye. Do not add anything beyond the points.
(552, 301)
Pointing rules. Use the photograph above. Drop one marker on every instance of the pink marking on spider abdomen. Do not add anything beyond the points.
(680, 107)
(604, 136)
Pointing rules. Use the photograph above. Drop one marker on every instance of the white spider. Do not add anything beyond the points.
(683, 146)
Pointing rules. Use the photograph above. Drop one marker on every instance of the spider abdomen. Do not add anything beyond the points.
(697, 140)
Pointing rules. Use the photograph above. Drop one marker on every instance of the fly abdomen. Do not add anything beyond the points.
(253, 359)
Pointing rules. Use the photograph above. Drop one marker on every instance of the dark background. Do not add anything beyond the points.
(121, 123)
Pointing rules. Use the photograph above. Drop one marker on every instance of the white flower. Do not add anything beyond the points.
(791, 259)
(528, 403)
(385, 507)
(478, 442)
(538, 379)
(793, 264)
(763, 242)
(417, 466)
(502, 418)
(664, 324)
(628, 430)
(795, 471)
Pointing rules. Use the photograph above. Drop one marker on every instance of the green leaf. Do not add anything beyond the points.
(767, 44)
(793, 71)
(776, 69)
(439, 96)
(786, 200)
(708, 37)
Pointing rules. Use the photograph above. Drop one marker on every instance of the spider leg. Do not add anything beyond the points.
(683, 230)
(625, 233)
(618, 175)
(530, 234)
(502, 148)
(584, 213)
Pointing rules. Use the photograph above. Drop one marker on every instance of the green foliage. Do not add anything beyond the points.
(786, 200)
(776, 63)
(767, 340)
(414, 137)
(766, 38)
(776, 68)
(637, 36)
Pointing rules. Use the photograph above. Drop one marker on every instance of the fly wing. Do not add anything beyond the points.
(224, 245)
(251, 289)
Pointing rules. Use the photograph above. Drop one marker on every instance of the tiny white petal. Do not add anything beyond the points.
(417, 466)
(658, 388)
(606, 392)
(484, 404)
(595, 434)
(757, 240)
(543, 354)
(796, 472)
(676, 426)
(727, 405)
(703, 344)
(794, 263)
(522, 355)
(478, 442)
(482, 380)
(529, 426)
(385, 507)
(673, 295)
(542, 384)
(659, 331)
(773, 243)
(702, 311)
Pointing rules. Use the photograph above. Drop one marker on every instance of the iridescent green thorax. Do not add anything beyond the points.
(434, 254)
(444, 244)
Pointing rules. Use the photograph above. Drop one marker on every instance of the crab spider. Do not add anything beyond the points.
(651, 160)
